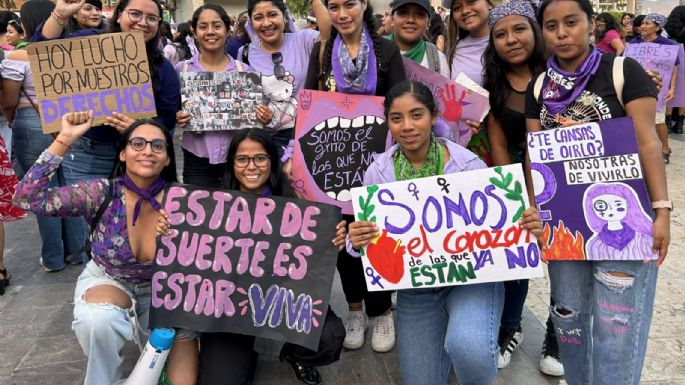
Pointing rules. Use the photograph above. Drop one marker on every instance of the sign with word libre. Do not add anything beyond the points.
(241, 263)
(219, 101)
(590, 192)
(660, 58)
(447, 230)
(336, 137)
(104, 73)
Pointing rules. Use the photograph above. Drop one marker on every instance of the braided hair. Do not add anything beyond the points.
(370, 24)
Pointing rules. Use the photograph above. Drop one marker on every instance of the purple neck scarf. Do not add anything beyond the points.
(618, 239)
(351, 77)
(145, 195)
(561, 88)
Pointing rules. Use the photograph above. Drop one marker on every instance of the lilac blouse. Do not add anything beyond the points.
(213, 144)
(110, 249)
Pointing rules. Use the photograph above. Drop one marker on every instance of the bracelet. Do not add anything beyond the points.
(59, 19)
(62, 143)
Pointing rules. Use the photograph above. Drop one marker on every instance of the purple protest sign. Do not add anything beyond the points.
(336, 136)
(655, 57)
(456, 102)
(590, 191)
(679, 99)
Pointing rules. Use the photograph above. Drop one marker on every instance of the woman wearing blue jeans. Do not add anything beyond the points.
(602, 308)
(444, 327)
(61, 237)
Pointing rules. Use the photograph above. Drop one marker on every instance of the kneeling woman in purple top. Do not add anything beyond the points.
(112, 295)
(440, 313)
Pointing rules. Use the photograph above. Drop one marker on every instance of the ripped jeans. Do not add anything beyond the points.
(602, 320)
(103, 329)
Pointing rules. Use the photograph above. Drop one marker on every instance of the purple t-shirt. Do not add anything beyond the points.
(213, 144)
(281, 95)
(468, 58)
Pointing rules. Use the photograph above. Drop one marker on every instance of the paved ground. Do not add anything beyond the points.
(38, 347)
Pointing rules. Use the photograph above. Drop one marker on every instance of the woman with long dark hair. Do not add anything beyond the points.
(112, 295)
(436, 31)
(627, 25)
(515, 54)
(357, 61)
(178, 50)
(204, 153)
(432, 336)
(608, 34)
(129, 15)
(229, 358)
(281, 54)
(88, 17)
(591, 296)
(95, 153)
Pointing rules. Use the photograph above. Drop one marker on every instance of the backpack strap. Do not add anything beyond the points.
(433, 57)
(619, 78)
(246, 49)
(96, 220)
(537, 87)
(238, 65)
(185, 66)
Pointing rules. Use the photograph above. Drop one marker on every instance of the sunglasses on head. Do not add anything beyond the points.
(279, 70)
(17, 25)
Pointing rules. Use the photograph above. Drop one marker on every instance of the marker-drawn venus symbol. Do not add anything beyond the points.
(347, 103)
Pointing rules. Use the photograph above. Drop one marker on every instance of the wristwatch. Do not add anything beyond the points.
(663, 205)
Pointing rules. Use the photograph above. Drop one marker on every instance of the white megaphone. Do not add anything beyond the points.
(152, 359)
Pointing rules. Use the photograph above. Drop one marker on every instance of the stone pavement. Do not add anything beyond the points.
(37, 345)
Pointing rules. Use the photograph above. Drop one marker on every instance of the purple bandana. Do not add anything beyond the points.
(618, 239)
(351, 77)
(145, 195)
(561, 88)
(512, 8)
(656, 19)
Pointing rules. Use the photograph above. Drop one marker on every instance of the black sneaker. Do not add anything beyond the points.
(550, 363)
(508, 341)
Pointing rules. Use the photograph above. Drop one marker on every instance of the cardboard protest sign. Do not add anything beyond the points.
(447, 230)
(655, 57)
(241, 263)
(679, 99)
(590, 192)
(220, 101)
(11, 5)
(336, 136)
(104, 73)
(457, 101)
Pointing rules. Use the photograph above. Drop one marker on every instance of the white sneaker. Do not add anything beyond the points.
(549, 360)
(355, 326)
(509, 340)
(383, 336)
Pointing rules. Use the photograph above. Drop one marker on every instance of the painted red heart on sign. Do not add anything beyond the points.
(387, 257)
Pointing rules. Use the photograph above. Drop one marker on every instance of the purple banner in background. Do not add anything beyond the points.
(656, 57)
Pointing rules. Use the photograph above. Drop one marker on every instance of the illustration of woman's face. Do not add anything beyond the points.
(610, 207)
